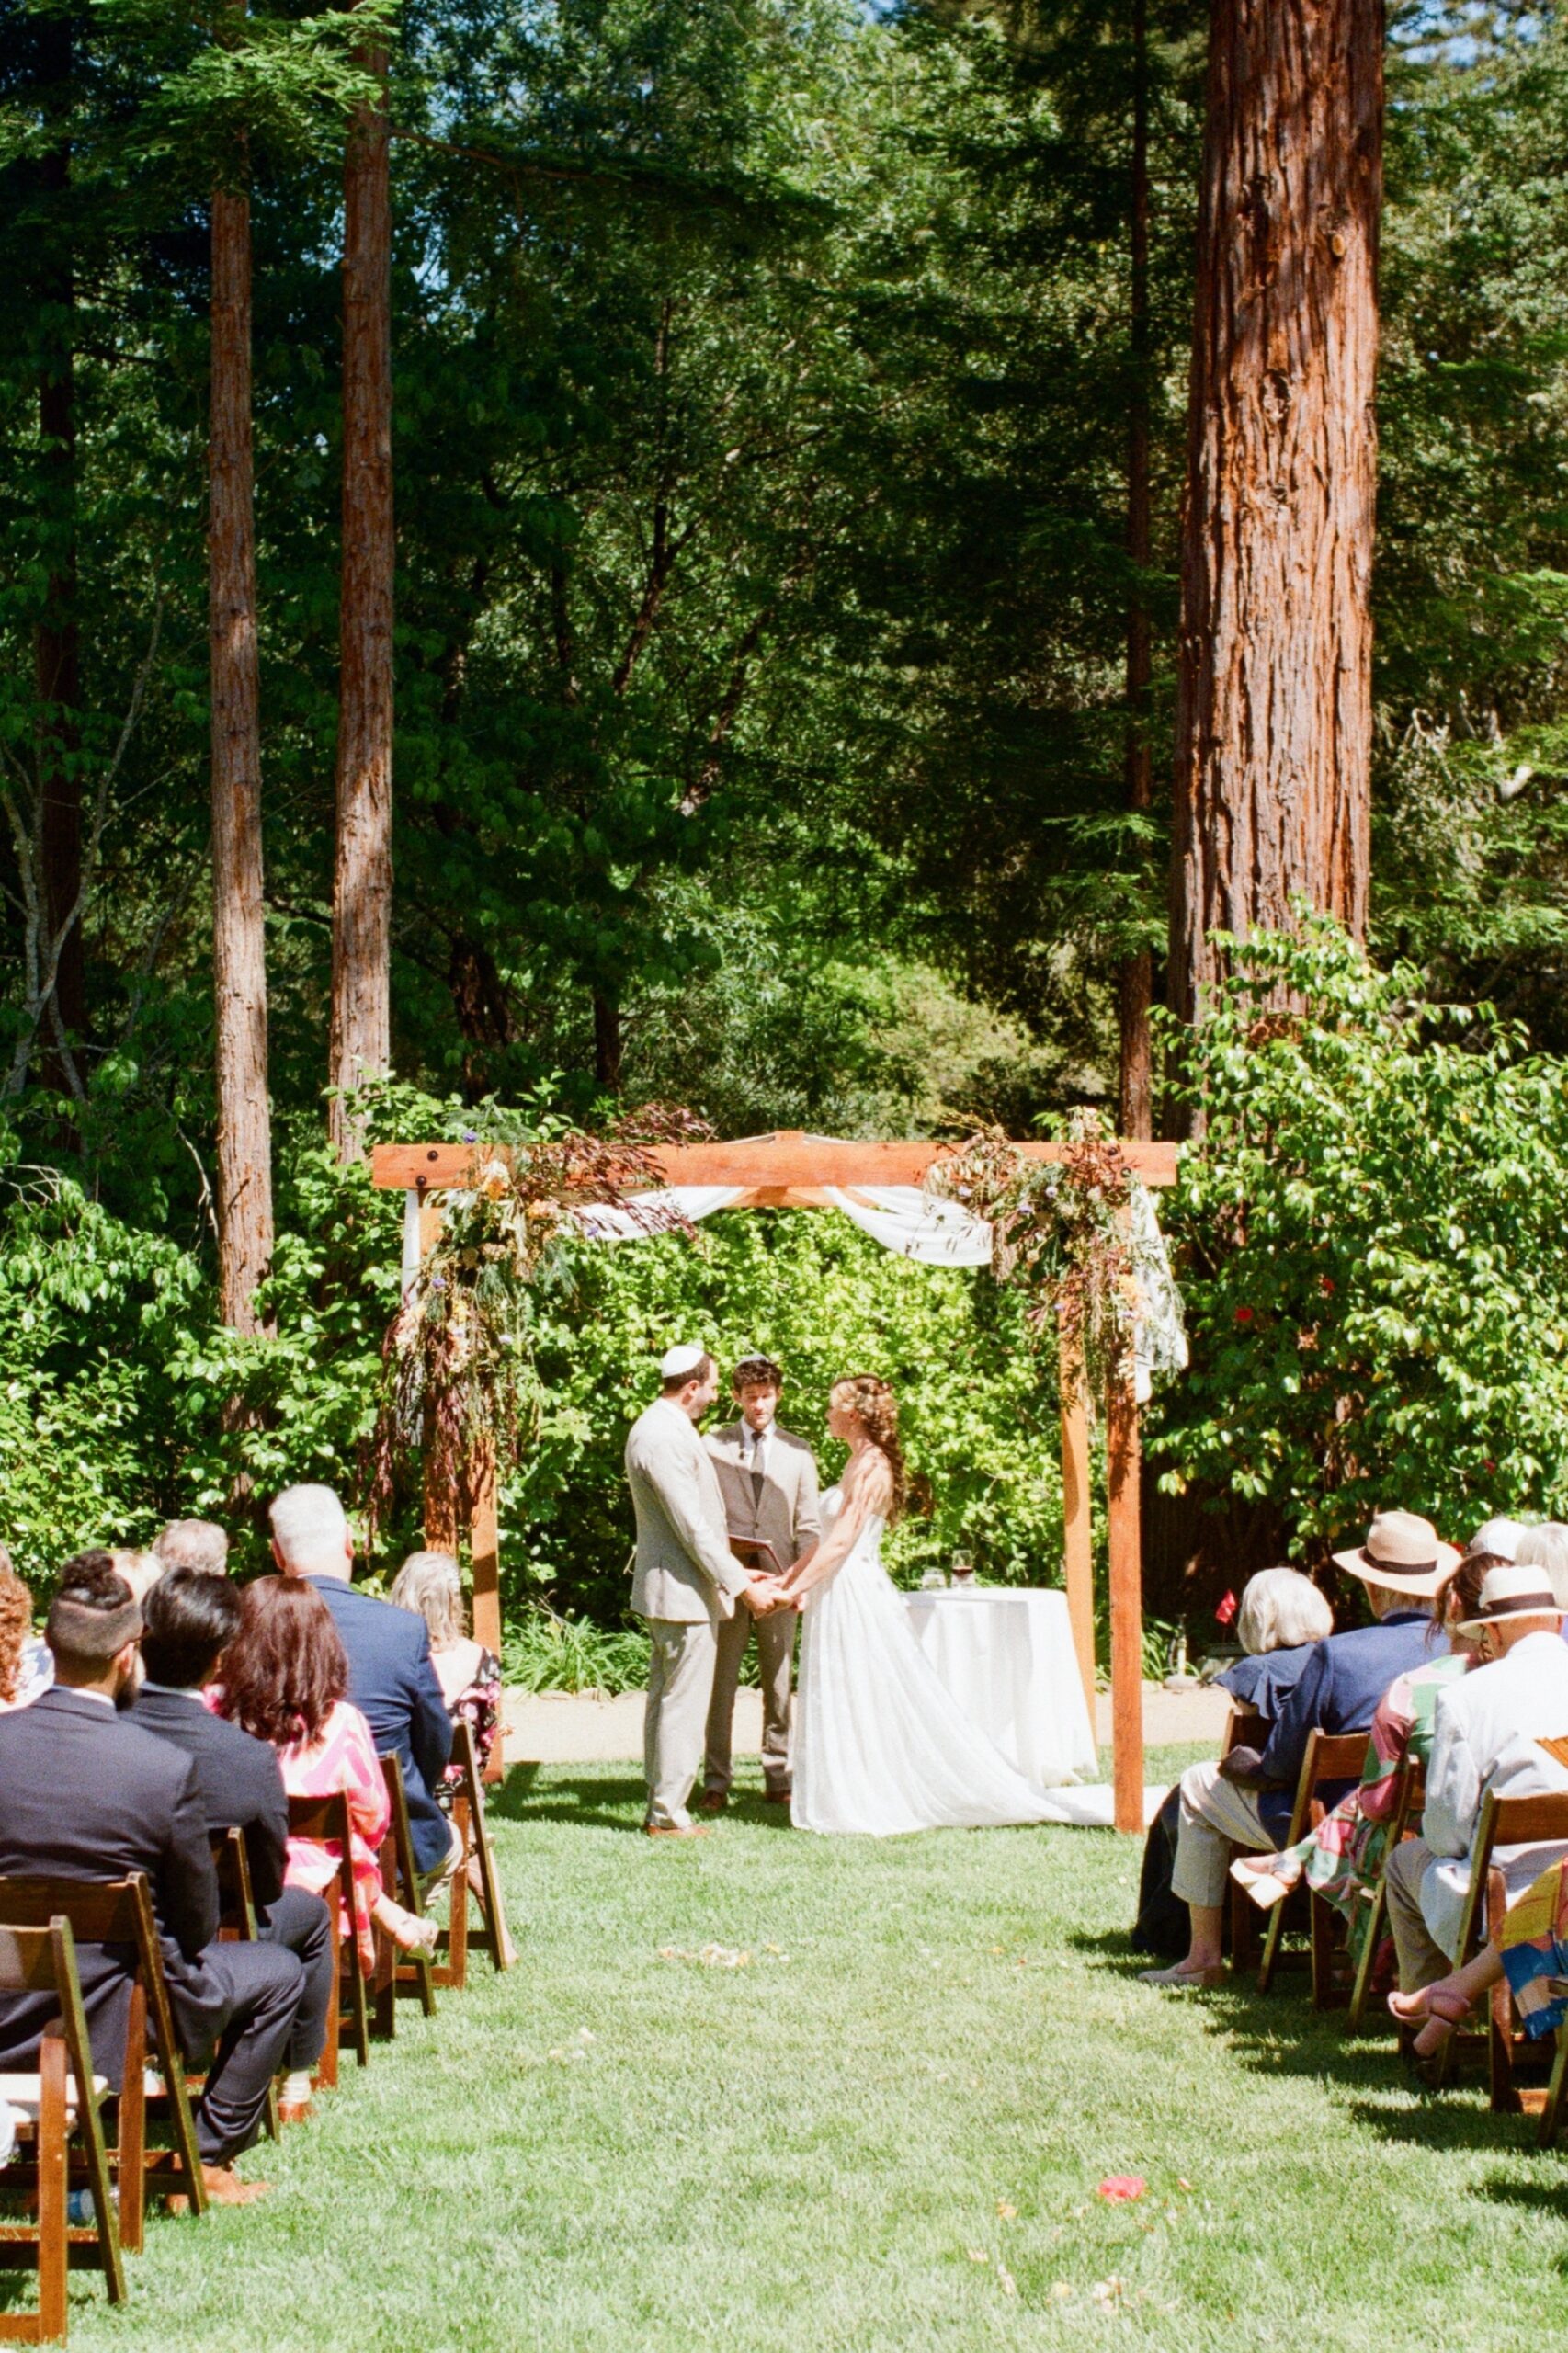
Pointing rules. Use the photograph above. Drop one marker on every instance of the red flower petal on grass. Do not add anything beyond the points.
(1122, 2188)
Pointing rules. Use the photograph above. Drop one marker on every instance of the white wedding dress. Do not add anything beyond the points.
(879, 1745)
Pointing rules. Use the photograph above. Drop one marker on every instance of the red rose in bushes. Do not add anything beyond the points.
(1243, 1316)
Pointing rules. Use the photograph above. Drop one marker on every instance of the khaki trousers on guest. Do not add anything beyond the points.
(1422, 1959)
(775, 1653)
(1216, 1815)
(680, 1684)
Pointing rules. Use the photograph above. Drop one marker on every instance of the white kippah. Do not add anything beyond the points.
(676, 1363)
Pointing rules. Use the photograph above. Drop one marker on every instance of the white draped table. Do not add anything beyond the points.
(1006, 1654)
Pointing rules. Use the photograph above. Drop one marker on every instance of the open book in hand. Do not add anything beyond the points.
(756, 1553)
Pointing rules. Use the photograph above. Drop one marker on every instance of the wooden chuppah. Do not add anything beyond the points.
(793, 1171)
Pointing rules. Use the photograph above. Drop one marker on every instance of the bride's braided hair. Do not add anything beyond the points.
(875, 1407)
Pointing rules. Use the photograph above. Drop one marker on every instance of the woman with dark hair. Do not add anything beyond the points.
(285, 1681)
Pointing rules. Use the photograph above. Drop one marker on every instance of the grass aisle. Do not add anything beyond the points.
(885, 2130)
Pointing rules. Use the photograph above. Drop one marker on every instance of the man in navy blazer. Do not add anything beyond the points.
(391, 1678)
(1247, 1801)
(85, 1793)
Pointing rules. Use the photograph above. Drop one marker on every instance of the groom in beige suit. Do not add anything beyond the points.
(770, 1481)
(686, 1583)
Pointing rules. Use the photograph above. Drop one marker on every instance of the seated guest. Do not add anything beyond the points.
(430, 1584)
(1247, 1801)
(1545, 1546)
(1499, 1536)
(198, 1544)
(1485, 1736)
(188, 1620)
(140, 1570)
(87, 1794)
(26, 1666)
(391, 1678)
(1341, 1859)
(1281, 1616)
(285, 1678)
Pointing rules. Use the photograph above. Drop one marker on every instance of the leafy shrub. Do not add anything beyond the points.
(1374, 1254)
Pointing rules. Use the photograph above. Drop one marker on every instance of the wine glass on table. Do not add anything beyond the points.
(963, 1570)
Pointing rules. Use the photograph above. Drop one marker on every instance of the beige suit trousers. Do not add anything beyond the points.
(1422, 1959)
(775, 1652)
(680, 1685)
(1216, 1815)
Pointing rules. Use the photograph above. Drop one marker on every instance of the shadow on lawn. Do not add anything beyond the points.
(1277, 2034)
(597, 1803)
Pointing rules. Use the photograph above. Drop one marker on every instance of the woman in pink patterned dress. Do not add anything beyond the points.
(285, 1676)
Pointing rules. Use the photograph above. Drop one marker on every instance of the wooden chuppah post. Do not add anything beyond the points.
(1124, 1519)
(1077, 1513)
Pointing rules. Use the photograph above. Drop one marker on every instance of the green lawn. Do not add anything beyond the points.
(885, 2130)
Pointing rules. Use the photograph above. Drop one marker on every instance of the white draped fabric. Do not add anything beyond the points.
(905, 1218)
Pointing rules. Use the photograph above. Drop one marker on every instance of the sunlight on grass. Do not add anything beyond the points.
(778, 2094)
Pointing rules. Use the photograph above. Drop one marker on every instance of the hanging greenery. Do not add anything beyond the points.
(458, 1382)
(1062, 1232)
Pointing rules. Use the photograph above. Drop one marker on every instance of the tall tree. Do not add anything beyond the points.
(360, 1045)
(1274, 720)
(239, 942)
(56, 639)
(1135, 983)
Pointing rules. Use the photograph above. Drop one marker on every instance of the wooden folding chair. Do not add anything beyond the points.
(468, 1813)
(1410, 1798)
(120, 1912)
(1330, 1758)
(410, 1973)
(324, 1820)
(61, 2104)
(1504, 1821)
(236, 1918)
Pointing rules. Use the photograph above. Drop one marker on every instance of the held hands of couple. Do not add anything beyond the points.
(764, 1596)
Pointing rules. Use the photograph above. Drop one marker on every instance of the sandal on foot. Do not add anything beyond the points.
(1199, 1981)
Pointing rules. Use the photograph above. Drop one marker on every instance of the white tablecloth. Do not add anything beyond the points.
(1006, 1656)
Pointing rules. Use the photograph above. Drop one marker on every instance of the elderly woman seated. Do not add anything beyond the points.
(1281, 1616)
(1246, 1799)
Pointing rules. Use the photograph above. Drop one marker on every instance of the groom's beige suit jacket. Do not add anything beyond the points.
(684, 1568)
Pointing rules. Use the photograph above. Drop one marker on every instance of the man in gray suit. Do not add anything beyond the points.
(769, 1481)
(685, 1582)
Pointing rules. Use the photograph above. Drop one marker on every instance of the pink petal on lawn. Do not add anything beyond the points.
(1120, 2188)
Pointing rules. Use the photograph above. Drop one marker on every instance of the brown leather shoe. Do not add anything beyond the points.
(776, 1797)
(712, 1801)
(677, 1830)
(223, 2188)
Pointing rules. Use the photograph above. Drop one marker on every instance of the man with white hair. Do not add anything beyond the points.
(390, 1678)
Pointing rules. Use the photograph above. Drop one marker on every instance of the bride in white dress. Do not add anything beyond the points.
(879, 1745)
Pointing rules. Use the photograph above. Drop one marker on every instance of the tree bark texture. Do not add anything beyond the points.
(362, 881)
(1274, 698)
(239, 946)
(56, 645)
(1136, 1109)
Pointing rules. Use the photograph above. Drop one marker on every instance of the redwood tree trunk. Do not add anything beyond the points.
(239, 948)
(1274, 704)
(56, 645)
(1136, 1117)
(362, 881)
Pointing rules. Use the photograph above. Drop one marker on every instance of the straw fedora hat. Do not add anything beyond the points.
(1402, 1553)
(1512, 1593)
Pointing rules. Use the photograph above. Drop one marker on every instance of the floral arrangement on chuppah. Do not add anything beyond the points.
(458, 1382)
(1079, 1235)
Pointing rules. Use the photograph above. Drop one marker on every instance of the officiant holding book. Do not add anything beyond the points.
(768, 1478)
